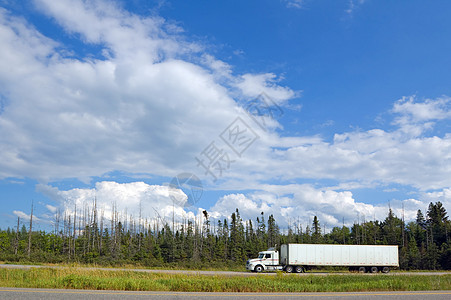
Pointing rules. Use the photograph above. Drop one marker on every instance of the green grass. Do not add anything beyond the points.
(73, 278)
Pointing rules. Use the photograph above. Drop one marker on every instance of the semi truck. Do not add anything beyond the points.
(301, 257)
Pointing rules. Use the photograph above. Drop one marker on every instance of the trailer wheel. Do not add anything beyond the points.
(289, 269)
(385, 269)
(362, 269)
(299, 269)
(374, 269)
(258, 269)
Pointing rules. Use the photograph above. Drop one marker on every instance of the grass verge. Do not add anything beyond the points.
(138, 281)
(167, 266)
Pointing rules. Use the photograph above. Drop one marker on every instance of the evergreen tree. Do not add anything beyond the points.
(437, 220)
(339, 235)
(414, 256)
(425, 243)
(316, 233)
(419, 231)
(236, 237)
(273, 232)
(392, 229)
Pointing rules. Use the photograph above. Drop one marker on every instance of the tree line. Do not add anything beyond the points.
(201, 242)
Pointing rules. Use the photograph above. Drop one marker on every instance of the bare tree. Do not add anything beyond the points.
(16, 241)
(29, 232)
(101, 230)
(75, 222)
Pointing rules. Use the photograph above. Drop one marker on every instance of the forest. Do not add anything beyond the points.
(91, 238)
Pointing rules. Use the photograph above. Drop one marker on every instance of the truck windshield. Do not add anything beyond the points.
(261, 255)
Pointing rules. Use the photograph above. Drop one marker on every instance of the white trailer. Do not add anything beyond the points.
(299, 257)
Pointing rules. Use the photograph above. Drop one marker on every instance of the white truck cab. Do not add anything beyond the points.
(267, 260)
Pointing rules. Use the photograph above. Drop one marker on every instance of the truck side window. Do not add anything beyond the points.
(268, 256)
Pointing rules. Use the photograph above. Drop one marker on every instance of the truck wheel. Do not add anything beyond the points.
(258, 269)
(289, 269)
(299, 269)
(362, 269)
(385, 269)
(374, 269)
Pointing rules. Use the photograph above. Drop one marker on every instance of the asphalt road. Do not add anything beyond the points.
(224, 273)
(28, 294)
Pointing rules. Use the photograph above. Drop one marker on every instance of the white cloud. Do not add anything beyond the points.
(291, 203)
(252, 85)
(143, 108)
(125, 35)
(413, 111)
(353, 5)
(288, 203)
(361, 158)
(51, 208)
(294, 3)
(26, 217)
(443, 196)
(135, 199)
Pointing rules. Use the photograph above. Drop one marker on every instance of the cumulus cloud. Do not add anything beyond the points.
(415, 117)
(130, 200)
(252, 85)
(146, 100)
(443, 196)
(364, 158)
(124, 35)
(290, 203)
(140, 106)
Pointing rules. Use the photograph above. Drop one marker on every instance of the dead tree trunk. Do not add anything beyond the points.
(29, 232)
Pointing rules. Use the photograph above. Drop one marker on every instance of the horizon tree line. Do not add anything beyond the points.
(86, 236)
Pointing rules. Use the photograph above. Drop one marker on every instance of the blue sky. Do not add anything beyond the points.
(111, 100)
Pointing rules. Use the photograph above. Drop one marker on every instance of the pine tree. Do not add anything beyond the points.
(392, 228)
(414, 254)
(273, 232)
(437, 220)
(236, 237)
(316, 234)
(80, 238)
